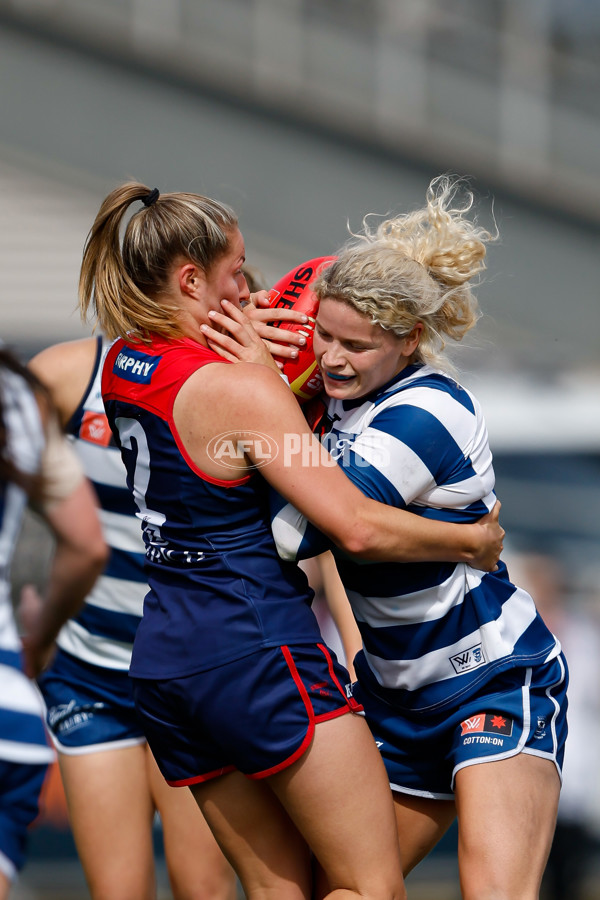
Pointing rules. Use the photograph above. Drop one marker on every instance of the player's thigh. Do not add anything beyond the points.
(506, 819)
(111, 813)
(339, 797)
(270, 856)
(196, 865)
(421, 823)
(5, 885)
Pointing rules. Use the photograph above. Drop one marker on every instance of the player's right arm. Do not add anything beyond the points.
(249, 399)
(67, 503)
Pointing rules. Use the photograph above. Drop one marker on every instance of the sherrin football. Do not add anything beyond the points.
(293, 292)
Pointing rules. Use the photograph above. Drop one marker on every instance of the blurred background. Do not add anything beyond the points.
(305, 115)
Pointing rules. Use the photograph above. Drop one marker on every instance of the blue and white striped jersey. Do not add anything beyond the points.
(22, 733)
(432, 632)
(102, 632)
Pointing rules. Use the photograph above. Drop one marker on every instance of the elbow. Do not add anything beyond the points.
(98, 554)
(358, 538)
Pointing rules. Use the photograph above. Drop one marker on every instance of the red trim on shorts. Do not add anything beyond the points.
(353, 705)
(198, 779)
(301, 750)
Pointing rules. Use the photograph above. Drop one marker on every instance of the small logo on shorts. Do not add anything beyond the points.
(67, 717)
(489, 722)
(540, 731)
(468, 659)
(322, 688)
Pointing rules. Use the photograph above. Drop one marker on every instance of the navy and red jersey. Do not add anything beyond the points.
(218, 589)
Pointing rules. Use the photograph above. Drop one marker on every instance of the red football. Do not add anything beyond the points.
(293, 292)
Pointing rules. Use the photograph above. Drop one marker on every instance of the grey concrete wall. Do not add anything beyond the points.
(99, 123)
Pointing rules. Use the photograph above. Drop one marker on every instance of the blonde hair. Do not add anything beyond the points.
(417, 267)
(122, 281)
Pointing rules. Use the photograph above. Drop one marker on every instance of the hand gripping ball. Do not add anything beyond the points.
(293, 292)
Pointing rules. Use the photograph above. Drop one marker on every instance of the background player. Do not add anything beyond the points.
(35, 466)
(112, 784)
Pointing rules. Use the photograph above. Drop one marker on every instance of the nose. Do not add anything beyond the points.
(332, 358)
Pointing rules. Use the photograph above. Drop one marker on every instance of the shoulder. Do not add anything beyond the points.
(66, 369)
(242, 380)
(53, 362)
(241, 394)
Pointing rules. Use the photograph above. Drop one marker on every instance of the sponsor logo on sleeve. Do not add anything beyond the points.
(95, 428)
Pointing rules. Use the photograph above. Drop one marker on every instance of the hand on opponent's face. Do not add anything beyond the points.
(233, 335)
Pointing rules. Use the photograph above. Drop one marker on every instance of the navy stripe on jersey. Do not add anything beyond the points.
(115, 499)
(22, 727)
(365, 577)
(126, 566)
(12, 658)
(420, 430)
(431, 632)
(117, 626)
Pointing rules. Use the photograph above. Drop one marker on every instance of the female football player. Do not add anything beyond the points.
(462, 683)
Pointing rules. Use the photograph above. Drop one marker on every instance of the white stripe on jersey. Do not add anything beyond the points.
(119, 594)
(33, 754)
(398, 463)
(290, 527)
(93, 458)
(95, 650)
(498, 639)
(122, 531)
(428, 605)
(9, 637)
(19, 693)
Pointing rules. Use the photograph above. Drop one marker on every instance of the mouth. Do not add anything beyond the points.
(334, 377)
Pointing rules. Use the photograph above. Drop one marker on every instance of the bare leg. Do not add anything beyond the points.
(337, 795)
(506, 819)
(111, 813)
(256, 834)
(5, 885)
(421, 824)
(196, 865)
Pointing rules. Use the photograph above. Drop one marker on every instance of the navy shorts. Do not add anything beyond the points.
(256, 714)
(519, 711)
(89, 708)
(20, 786)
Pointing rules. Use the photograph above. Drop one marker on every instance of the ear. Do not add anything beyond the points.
(189, 279)
(411, 341)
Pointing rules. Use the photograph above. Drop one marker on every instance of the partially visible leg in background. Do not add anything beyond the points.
(196, 865)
